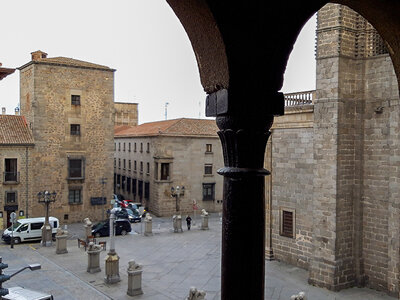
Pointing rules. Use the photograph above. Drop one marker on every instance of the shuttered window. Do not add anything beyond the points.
(287, 227)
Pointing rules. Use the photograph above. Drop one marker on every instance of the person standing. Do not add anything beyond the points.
(188, 221)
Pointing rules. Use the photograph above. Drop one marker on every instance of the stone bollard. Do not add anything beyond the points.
(195, 294)
(134, 279)
(61, 241)
(204, 220)
(148, 225)
(88, 228)
(177, 221)
(93, 253)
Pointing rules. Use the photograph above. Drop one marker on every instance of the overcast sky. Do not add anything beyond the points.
(142, 39)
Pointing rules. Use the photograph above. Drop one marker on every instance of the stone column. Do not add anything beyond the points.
(134, 279)
(244, 136)
(148, 225)
(112, 259)
(61, 241)
(204, 220)
(93, 258)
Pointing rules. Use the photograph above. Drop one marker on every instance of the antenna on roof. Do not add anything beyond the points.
(166, 109)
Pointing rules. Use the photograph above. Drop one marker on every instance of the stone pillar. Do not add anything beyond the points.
(148, 225)
(134, 279)
(93, 253)
(244, 135)
(61, 241)
(177, 222)
(204, 220)
(112, 259)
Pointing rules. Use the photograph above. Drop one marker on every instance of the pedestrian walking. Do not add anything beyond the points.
(188, 221)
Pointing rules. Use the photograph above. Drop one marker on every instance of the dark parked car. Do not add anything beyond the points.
(122, 227)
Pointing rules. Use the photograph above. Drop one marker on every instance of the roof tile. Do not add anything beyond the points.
(14, 130)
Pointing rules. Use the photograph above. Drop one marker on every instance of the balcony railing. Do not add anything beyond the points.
(10, 177)
(299, 98)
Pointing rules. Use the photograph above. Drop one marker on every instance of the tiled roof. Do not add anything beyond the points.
(5, 72)
(66, 61)
(14, 131)
(177, 127)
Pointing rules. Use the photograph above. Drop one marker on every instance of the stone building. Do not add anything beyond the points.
(68, 106)
(153, 157)
(16, 144)
(334, 189)
(126, 114)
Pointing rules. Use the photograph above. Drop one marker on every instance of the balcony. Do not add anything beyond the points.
(299, 98)
(10, 177)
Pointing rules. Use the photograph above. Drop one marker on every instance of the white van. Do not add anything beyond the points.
(29, 230)
(20, 293)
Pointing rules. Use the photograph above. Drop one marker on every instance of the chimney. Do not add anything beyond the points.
(38, 55)
(3, 110)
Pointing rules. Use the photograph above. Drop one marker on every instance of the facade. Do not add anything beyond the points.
(68, 107)
(334, 189)
(126, 114)
(16, 146)
(153, 157)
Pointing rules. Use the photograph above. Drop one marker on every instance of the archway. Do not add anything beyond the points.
(255, 39)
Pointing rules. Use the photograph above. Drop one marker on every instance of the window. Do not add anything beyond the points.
(164, 171)
(147, 190)
(128, 184)
(208, 191)
(129, 147)
(119, 163)
(75, 99)
(119, 146)
(134, 165)
(124, 147)
(129, 165)
(141, 147)
(140, 188)
(115, 162)
(115, 146)
(208, 169)
(76, 168)
(124, 164)
(75, 129)
(134, 186)
(10, 166)
(148, 148)
(287, 222)
(11, 197)
(148, 168)
(156, 171)
(74, 196)
(208, 147)
(134, 147)
(36, 226)
(141, 167)
(123, 182)
(118, 180)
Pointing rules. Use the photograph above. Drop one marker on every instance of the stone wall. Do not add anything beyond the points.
(126, 113)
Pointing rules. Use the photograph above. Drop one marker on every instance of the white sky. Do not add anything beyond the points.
(142, 39)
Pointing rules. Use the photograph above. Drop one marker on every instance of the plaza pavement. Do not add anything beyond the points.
(172, 263)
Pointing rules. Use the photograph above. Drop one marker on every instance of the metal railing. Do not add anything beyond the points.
(299, 98)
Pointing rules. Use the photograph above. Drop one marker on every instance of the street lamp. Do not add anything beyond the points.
(176, 192)
(4, 277)
(46, 197)
(177, 219)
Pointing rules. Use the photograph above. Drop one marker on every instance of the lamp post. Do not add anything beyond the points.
(177, 218)
(46, 197)
(112, 259)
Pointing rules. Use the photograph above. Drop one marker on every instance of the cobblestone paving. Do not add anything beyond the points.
(172, 263)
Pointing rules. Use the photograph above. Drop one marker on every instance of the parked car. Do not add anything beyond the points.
(134, 215)
(122, 227)
(29, 229)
